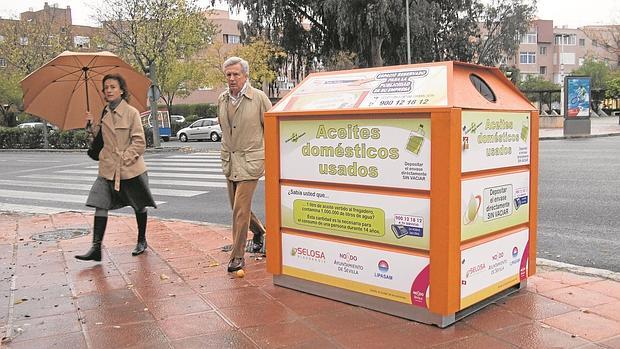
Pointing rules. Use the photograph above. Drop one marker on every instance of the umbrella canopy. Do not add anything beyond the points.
(63, 89)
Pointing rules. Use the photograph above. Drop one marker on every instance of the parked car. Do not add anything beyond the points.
(50, 128)
(201, 129)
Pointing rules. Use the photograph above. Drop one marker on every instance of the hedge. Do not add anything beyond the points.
(202, 110)
(32, 138)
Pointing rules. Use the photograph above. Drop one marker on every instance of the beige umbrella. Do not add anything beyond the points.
(63, 89)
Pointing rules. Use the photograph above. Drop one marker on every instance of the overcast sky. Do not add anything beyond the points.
(573, 13)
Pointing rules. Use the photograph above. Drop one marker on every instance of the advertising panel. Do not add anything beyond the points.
(493, 266)
(489, 204)
(382, 152)
(390, 88)
(494, 140)
(577, 97)
(394, 220)
(390, 275)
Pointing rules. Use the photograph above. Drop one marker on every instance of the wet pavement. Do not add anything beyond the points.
(179, 295)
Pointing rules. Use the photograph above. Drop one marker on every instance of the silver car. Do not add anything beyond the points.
(201, 129)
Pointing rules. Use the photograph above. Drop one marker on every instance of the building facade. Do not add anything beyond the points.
(554, 52)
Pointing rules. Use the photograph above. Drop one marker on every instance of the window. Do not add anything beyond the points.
(483, 88)
(529, 38)
(527, 57)
(2, 63)
(23, 41)
(81, 41)
(567, 58)
(231, 39)
(543, 70)
(542, 50)
(566, 39)
(581, 60)
(582, 42)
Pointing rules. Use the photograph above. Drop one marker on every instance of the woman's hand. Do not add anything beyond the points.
(89, 121)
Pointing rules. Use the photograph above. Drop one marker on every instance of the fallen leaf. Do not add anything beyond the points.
(116, 326)
(164, 277)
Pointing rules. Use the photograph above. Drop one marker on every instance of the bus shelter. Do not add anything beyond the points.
(410, 190)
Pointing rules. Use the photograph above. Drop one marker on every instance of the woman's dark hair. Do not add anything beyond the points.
(121, 82)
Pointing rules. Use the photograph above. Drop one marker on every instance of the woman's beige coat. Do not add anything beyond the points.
(123, 144)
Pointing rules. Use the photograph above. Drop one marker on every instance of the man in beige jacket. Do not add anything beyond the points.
(241, 110)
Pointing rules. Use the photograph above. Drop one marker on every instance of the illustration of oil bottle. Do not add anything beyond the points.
(525, 130)
(416, 140)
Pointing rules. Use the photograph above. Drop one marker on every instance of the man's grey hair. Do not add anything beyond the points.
(245, 67)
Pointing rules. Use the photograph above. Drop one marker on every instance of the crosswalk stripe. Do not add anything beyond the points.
(185, 161)
(182, 164)
(206, 156)
(175, 182)
(154, 174)
(75, 186)
(17, 194)
(35, 209)
(179, 169)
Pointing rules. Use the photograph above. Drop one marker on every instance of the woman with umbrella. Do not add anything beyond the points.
(122, 179)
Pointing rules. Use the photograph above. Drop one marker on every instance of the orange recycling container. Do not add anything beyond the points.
(411, 190)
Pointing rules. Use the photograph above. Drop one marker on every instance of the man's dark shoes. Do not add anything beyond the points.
(257, 242)
(235, 264)
(140, 247)
(94, 254)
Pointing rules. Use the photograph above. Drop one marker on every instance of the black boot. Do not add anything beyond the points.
(94, 254)
(257, 228)
(141, 218)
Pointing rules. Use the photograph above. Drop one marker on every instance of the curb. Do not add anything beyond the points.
(577, 269)
(546, 138)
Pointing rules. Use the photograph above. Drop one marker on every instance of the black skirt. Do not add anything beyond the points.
(133, 192)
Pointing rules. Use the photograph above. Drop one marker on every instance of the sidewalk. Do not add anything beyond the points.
(601, 127)
(178, 295)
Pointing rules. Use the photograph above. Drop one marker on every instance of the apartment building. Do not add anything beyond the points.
(554, 52)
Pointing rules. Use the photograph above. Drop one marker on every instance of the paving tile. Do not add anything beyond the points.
(534, 306)
(238, 297)
(611, 343)
(64, 341)
(46, 326)
(538, 284)
(607, 287)
(305, 304)
(394, 336)
(568, 278)
(220, 282)
(344, 321)
(281, 334)
(111, 298)
(587, 325)
(46, 292)
(579, 297)
(610, 311)
(191, 325)
(99, 285)
(258, 314)
(216, 340)
(537, 335)
(37, 308)
(41, 279)
(493, 318)
(140, 335)
(188, 304)
(164, 291)
(432, 335)
(477, 341)
(115, 315)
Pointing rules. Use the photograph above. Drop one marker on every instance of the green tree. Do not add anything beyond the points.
(599, 71)
(10, 96)
(374, 30)
(503, 22)
(534, 87)
(157, 33)
(27, 45)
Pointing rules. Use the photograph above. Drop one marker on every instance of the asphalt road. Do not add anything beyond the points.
(579, 195)
(579, 202)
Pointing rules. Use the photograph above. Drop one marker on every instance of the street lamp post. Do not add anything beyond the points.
(562, 111)
(408, 35)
